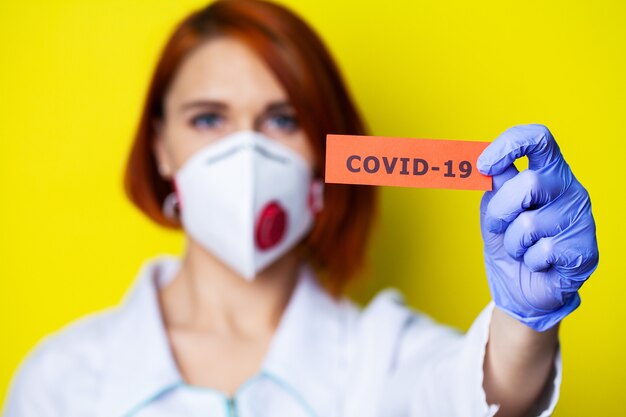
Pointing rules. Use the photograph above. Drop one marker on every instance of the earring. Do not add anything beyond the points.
(316, 196)
(171, 207)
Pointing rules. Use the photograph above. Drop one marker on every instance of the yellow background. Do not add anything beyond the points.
(73, 75)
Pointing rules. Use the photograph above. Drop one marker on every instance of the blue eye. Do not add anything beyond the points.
(283, 122)
(207, 120)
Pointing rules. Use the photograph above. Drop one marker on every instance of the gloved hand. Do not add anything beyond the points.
(538, 231)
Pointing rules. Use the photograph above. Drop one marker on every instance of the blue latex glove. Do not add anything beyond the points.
(538, 231)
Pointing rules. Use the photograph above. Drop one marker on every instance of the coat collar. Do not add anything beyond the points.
(307, 350)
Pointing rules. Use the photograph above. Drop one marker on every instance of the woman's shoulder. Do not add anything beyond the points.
(66, 360)
(389, 306)
(69, 368)
(78, 345)
(407, 330)
(82, 343)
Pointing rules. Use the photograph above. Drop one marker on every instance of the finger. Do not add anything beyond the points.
(549, 220)
(497, 183)
(499, 180)
(530, 226)
(534, 141)
(573, 253)
(528, 189)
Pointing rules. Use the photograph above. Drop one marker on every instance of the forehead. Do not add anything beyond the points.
(225, 69)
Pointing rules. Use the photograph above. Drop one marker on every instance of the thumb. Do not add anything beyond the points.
(497, 183)
(499, 180)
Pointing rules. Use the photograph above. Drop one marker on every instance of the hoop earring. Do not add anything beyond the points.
(316, 196)
(171, 207)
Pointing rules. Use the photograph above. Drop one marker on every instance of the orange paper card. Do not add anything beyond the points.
(404, 162)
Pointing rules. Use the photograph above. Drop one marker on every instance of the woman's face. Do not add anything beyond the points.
(220, 88)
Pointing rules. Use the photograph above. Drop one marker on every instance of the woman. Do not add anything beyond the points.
(250, 321)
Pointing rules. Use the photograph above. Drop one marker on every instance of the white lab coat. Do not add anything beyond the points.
(327, 359)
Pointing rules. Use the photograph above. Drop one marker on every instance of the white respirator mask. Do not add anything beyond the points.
(247, 199)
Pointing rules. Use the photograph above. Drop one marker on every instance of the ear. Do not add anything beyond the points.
(161, 153)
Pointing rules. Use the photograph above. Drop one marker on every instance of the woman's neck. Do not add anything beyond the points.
(206, 295)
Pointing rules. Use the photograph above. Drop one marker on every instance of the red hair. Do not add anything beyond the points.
(296, 55)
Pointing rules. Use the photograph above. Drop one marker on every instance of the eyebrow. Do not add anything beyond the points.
(219, 105)
(203, 103)
(278, 105)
